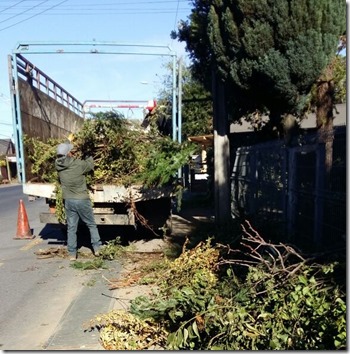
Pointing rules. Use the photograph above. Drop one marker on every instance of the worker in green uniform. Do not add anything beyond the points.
(77, 204)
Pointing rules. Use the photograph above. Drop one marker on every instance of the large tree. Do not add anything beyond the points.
(259, 55)
(268, 53)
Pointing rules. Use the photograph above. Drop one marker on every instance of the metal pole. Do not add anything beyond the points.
(174, 100)
(16, 116)
(179, 112)
(78, 48)
(25, 47)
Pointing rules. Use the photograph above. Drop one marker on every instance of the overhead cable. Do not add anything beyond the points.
(37, 14)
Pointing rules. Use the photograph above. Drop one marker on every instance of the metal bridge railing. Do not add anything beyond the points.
(27, 71)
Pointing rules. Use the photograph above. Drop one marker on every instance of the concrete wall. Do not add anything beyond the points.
(43, 117)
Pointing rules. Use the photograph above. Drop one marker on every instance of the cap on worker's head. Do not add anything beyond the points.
(64, 148)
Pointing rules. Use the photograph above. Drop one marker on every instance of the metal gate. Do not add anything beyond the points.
(287, 189)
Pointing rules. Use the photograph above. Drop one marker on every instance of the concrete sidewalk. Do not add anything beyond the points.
(98, 299)
(92, 300)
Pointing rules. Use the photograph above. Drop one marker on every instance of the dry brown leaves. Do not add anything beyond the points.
(134, 269)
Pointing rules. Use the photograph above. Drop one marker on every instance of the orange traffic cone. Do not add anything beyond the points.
(23, 228)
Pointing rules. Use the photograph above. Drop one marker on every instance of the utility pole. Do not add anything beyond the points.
(222, 190)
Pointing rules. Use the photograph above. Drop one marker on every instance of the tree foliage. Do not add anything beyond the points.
(339, 64)
(334, 74)
(123, 153)
(268, 53)
(254, 296)
(197, 108)
(197, 111)
(283, 301)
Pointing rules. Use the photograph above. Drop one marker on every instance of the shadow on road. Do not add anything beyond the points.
(56, 234)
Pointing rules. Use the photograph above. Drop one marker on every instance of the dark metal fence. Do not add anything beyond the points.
(287, 189)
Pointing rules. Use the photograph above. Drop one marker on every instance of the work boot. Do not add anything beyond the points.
(97, 253)
(72, 257)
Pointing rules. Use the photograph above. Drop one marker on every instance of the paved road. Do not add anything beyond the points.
(44, 302)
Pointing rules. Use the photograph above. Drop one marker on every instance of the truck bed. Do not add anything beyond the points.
(106, 193)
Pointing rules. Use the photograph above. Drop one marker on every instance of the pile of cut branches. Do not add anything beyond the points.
(124, 153)
(119, 330)
(258, 296)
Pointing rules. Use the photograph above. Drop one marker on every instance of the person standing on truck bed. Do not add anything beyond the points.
(77, 204)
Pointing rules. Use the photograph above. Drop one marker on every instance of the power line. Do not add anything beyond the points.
(177, 11)
(28, 18)
(131, 12)
(121, 11)
(67, 9)
(109, 7)
(23, 12)
(10, 7)
(116, 4)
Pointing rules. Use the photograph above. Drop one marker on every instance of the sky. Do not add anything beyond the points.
(88, 76)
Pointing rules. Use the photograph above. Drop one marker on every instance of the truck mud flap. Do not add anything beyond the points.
(101, 219)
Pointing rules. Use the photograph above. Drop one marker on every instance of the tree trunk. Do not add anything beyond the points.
(222, 194)
(324, 120)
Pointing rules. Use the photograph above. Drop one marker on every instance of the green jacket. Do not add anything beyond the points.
(71, 173)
